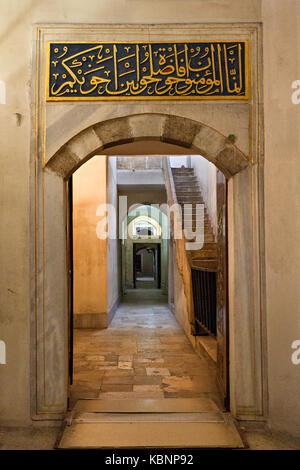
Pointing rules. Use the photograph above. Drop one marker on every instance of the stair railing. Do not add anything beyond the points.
(204, 282)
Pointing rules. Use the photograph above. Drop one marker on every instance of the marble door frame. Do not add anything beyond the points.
(65, 135)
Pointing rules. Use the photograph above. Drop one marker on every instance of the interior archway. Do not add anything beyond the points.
(169, 129)
(50, 333)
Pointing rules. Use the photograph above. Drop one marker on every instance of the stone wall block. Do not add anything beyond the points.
(64, 161)
(231, 159)
(114, 131)
(85, 143)
(178, 130)
(209, 142)
(142, 126)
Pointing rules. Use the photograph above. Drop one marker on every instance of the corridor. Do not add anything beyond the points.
(143, 354)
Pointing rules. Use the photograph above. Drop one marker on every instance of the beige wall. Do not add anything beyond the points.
(143, 196)
(282, 207)
(282, 149)
(90, 277)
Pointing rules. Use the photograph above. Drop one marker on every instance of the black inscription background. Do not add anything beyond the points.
(147, 70)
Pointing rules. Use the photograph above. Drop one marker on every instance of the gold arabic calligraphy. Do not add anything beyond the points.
(147, 70)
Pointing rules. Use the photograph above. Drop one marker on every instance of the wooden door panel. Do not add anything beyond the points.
(222, 297)
(69, 237)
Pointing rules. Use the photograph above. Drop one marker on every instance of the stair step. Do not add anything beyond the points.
(207, 234)
(189, 228)
(181, 186)
(146, 405)
(194, 203)
(189, 194)
(199, 417)
(180, 434)
(186, 181)
(203, 254)
(184, 175)
(207, 238)
(195, 248)
(182, 170)
(193, 245)
(210, 247)
(196, 222)
(189, 200)
(205, 263)
(200, 219)
(199, 226)
(194, 207)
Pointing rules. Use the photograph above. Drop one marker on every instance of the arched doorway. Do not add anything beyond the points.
(146, 243)
(50, 332)
(137, 313)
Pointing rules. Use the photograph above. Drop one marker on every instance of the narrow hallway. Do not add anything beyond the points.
(143, 354)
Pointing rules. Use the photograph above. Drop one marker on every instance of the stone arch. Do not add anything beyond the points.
(152, 212)
(153, 222)
(166, 128)
(50, 252)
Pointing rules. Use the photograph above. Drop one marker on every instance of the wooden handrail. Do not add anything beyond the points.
(169, 180)
(183, 263)
(210, 270)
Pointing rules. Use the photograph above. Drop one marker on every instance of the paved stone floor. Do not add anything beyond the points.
(143, 354)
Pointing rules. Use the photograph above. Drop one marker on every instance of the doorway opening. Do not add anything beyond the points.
(146, 266)
(141, 326)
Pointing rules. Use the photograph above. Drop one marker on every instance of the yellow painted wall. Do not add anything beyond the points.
(90, 277)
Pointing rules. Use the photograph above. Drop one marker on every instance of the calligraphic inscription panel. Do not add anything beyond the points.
(146, 71)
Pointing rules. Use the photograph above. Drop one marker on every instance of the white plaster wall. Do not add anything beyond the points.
(140, 178)
(112, 243)
(206, 173)
(177, 162)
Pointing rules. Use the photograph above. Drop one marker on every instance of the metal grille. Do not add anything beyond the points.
(205, 301)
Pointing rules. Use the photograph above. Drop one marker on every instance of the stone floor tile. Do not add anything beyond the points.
(157, 371)
(126, 358)
(143, 354)
(139, 371)
(105, 387)
(118, 372)
(147, 380)
(95, 357)
(124, 365)
(119, 380)
(146, 388)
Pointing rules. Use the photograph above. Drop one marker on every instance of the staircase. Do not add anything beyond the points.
(188, 192)
(149, 423)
